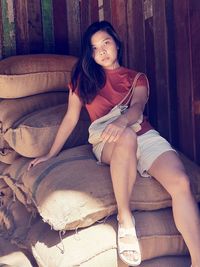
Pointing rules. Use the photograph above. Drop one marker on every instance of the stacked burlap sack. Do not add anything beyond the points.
(33, 92)
(74, 197)
(63, 211)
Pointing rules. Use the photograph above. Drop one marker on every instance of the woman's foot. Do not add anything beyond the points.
(128, 245)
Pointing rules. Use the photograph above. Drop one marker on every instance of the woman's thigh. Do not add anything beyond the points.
(168, 170)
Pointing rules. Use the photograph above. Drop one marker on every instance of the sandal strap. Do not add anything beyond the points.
(123, 232)
(123, 247)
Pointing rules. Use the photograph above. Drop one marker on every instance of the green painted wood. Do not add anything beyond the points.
(47, 22)
(9, 43)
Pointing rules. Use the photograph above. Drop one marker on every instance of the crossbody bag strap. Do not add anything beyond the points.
(130, 93)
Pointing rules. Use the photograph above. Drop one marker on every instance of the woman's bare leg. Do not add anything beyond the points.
(186, 214)
(123, 166)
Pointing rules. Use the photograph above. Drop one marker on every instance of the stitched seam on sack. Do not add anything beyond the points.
(161, 236)
(11, 76)
(92, 257)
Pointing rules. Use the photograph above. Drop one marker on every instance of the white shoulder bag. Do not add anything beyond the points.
(96, 128)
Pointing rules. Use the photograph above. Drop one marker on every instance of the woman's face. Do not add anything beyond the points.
(104, 50)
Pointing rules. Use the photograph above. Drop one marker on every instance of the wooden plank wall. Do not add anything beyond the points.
(159, 36)
(39, 26)
(187, 28)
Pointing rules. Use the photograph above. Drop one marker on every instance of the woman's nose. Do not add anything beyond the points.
(102, 51)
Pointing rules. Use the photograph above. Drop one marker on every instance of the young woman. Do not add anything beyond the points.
(99, 82)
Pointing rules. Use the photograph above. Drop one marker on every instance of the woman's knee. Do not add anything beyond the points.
(180, 184)
(128, 138)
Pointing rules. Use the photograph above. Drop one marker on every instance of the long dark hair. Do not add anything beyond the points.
(88, 76)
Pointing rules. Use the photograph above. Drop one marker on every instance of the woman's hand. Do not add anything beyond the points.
(113, 131)
(38, 160)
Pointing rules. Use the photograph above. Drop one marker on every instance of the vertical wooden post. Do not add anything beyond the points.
(135, 40)
(35, 26)
(164, 100)
(150, 61)
(21, 27)
(73, 27)
(187, 26)
(60, 26)
(88, 13)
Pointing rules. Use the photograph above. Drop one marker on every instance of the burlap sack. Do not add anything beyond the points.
(33, 135)
(32, 74)
(11, 110)
(12, 256)
(74, 177)
(15, 222)
(8, 155)
(3, 166)
(6, 193)
(72, 190)
(12, 177)
(168, 261)
(96, 245)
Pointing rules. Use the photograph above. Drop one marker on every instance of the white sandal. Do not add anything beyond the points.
(122, 247)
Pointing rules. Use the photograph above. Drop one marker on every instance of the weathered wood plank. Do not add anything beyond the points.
(161, 68)
(9, 42)
(194, 11)
(174, 131)
(35, 26)
(119, 21)
(88, 13)
(101, 10)
(184, 78)
(136, 41)
(47, 25)
(107, 10)
(73, 27)
(60, 26)
(150, 70)
(21, 26)
(1, 33)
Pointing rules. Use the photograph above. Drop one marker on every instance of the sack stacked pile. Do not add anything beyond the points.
(63, 211)
(34, 93)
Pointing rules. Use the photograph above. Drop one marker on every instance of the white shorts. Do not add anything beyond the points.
(150, 146)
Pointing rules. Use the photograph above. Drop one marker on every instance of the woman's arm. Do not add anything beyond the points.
(65, 129)
(136, 108)
(113, 131)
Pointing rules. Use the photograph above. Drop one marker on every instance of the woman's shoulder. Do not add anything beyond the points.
(127, 75)
(137, 77)
(131, 72)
